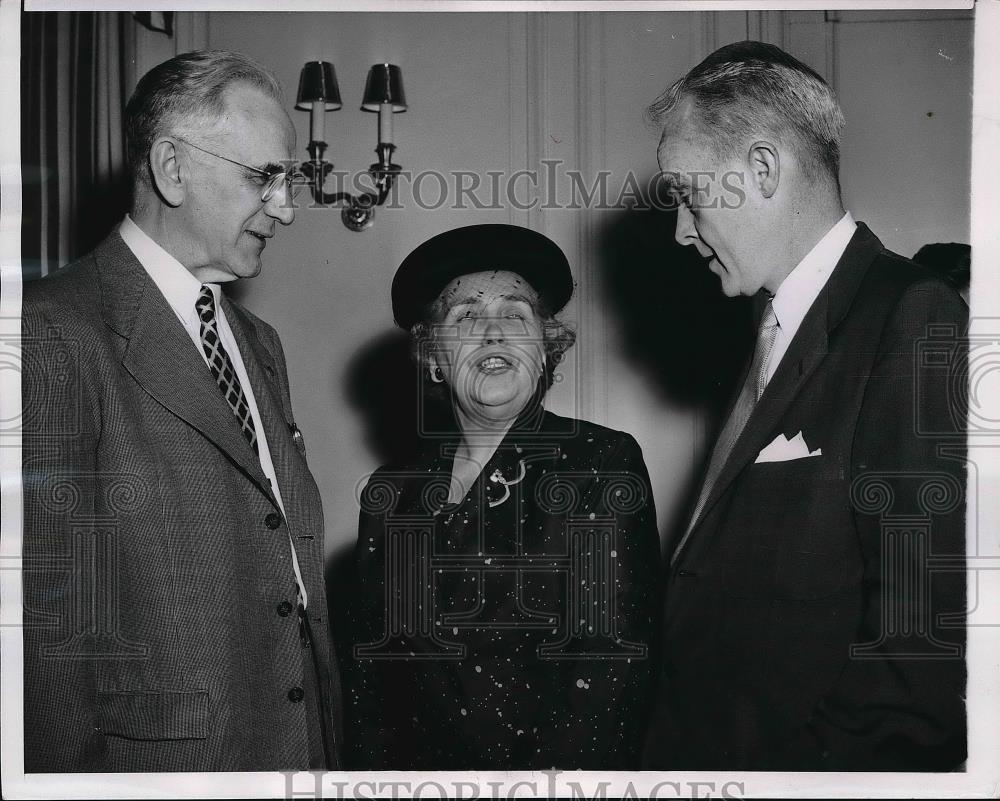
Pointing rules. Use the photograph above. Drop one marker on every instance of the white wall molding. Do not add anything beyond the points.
(536, 97)
(520, 89)
(591, 144)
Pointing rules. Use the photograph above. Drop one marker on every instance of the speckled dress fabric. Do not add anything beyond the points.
(511, 630)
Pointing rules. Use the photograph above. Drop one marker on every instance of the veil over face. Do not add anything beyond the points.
(488, 345)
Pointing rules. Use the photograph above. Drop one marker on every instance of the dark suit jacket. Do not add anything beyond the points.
(494, 656)
(803, 621)
(156, 561)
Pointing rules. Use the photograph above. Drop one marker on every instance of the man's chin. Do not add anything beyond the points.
(729, 287)
(249, 269)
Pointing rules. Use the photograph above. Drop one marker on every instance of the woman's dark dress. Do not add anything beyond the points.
(519, 634)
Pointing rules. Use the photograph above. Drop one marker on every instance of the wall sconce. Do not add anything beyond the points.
(318, 93)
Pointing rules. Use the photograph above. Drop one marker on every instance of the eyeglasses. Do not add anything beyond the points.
(274, 178)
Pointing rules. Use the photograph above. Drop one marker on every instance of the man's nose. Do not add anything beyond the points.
(685, 233)
(279, 207)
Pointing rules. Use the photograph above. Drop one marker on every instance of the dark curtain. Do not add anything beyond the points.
(75, 74)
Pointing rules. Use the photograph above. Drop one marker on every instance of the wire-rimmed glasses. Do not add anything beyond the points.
(274, 178)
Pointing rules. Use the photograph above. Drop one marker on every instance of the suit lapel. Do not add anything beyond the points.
(162, 358)
(262, 372)
(806, 351)
(290, 468)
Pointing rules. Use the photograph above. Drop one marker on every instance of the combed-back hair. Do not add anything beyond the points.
(752, 87)
(185, 92)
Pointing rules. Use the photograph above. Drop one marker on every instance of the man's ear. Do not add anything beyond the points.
(765, 167)
(165, 170)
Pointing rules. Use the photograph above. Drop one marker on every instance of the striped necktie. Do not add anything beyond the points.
(753, 388)
(222, 366)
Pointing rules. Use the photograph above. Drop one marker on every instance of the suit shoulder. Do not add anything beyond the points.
(67, 301)
(896, 275)
(896, 288)
(71, 287)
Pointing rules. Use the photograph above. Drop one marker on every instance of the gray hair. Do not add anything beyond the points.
(753, 86)
(185, 91)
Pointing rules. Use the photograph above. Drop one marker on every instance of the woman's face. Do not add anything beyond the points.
(488, 344)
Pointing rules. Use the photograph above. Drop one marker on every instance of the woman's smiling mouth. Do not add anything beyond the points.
(494, 364)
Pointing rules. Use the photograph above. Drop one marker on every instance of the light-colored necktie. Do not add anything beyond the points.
(222, 366)
(752, 389)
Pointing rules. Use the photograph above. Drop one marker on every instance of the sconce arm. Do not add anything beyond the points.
(359, 210)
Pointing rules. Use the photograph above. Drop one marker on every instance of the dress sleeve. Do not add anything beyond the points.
(596, 715)
(366, 737)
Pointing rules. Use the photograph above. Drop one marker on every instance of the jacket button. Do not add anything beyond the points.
(273, 520)
(687, 574)
(295, 695)
(285, 608)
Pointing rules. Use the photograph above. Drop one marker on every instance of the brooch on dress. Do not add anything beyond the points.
(498, 478)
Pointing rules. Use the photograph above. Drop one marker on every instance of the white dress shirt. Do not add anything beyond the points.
(180, 289)
(802, 286)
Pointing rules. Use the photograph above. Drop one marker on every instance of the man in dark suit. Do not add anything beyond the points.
(175, 615)
(813, 611)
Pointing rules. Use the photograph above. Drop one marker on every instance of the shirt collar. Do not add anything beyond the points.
(803, 284)
(176, 283)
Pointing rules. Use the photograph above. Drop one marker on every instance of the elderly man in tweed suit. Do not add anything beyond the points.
(175, 615)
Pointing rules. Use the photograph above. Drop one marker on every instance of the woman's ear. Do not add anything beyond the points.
(434, 369)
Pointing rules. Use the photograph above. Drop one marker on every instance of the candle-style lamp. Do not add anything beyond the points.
(384, 94)
(318, 93)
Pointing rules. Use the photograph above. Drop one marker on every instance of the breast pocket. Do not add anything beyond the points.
(789, 532)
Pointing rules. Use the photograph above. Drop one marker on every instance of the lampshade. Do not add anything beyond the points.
(384, 85)
(318, 82)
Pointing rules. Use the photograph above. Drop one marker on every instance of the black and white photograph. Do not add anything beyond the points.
(500, 400)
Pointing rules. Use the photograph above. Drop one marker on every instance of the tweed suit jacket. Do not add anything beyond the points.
(806, 616)
(159, 595)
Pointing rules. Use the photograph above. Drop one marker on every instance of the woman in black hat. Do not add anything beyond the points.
(506, 578)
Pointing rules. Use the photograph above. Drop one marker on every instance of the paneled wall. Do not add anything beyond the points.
(556, 93)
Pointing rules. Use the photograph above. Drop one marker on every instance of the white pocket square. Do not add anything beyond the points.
(783, 449)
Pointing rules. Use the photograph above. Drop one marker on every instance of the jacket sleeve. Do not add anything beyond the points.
(899, 702)
(598, 712)
(60, 427)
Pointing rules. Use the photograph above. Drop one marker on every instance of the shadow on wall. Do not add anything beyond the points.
(688, 339)
(383, 387)
(689, 342)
